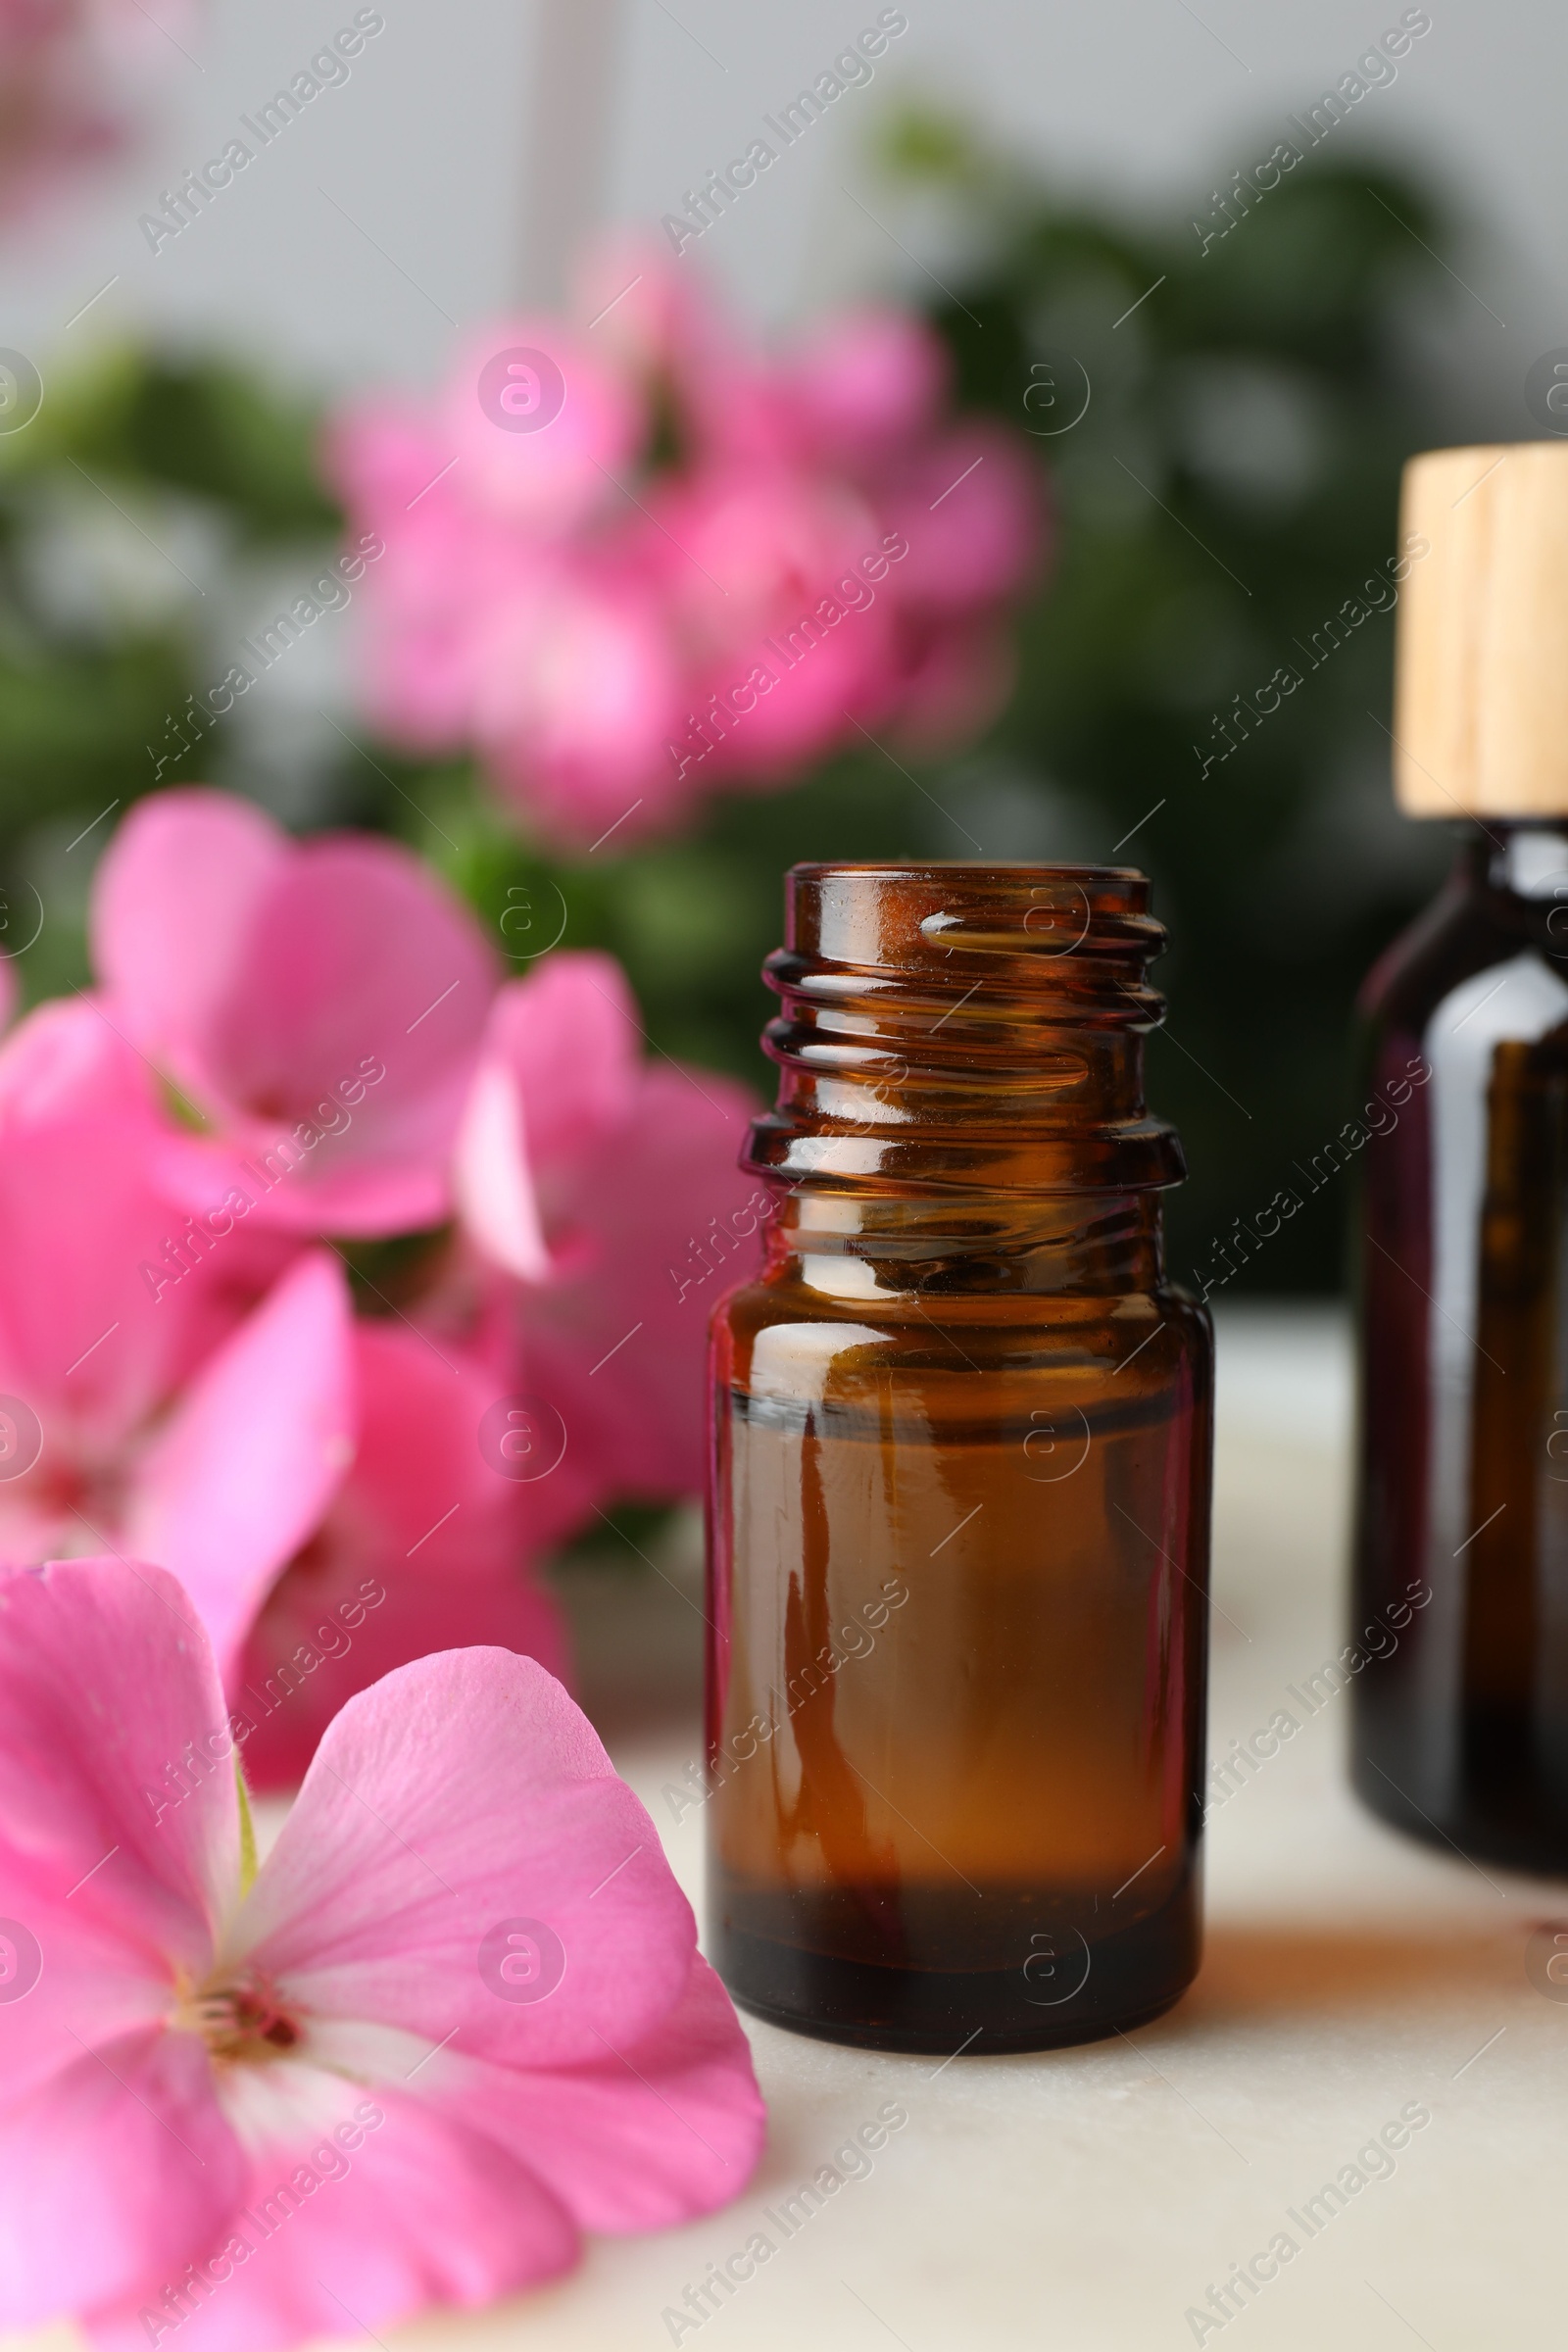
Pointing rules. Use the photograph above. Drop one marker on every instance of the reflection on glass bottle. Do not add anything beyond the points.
(959, 1508)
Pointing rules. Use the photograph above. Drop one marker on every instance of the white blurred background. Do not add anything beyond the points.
(443, 178)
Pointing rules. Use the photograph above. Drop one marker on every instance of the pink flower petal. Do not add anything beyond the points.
(576, 694)
(572, 1037)
(424, 2208)
(67, 1056)
(553, 477)
(97, 1324)
(490, 1175)
(256, 1449)
(289, 1701)
(122, 2166)
(322, 1009)
(90, 1787)
(286, 1187)
(78, 1967)
(869, 379)
(425, 1547)
(656, 2132)
(560, 1073)
(356, 957)
(969, 506)
(172, 904)
(462, 1793)
(620, 1350)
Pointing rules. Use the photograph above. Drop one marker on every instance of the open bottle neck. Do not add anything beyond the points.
(961, 1075)
(953, 1030)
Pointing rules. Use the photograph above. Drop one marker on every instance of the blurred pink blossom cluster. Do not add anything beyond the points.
(632, 559)
(69, 72)
(340, 1275)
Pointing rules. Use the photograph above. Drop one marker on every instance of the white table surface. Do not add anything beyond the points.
(1085, 2198)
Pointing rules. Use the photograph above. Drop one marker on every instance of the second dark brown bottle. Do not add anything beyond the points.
(1459, 1652)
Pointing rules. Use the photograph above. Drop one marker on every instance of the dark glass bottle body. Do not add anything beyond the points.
(1461, 1542)
(958, 1514)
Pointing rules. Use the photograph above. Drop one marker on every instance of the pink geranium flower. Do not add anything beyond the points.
(317, 1006)
(191, 1399)
(456, 2019)
(607, 1186)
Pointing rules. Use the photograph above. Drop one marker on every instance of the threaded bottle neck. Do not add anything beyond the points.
(964, 1029)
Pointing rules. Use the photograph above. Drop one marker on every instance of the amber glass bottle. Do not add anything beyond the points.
(958, 1517)
(1462, 1548)
(1461, 1633)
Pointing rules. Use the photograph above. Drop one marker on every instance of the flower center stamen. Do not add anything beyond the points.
(239, 2021)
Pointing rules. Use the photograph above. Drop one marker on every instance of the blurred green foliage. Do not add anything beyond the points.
(82, 691)
(1231, 483)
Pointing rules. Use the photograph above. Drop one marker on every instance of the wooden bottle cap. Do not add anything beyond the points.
(1480, 698)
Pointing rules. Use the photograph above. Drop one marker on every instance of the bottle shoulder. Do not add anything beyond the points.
(780, 1316)
(1468, 930)
(964, 1362)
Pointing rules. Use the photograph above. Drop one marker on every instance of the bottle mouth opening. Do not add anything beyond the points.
(1003, 870)
(963, 927)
